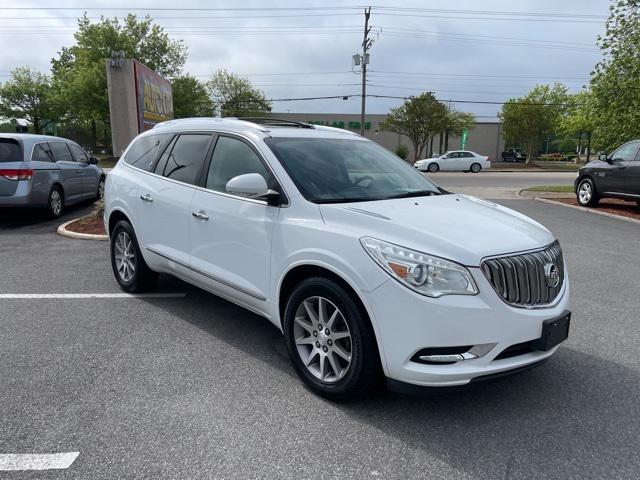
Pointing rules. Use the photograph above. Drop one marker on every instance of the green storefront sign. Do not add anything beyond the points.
(341, 124)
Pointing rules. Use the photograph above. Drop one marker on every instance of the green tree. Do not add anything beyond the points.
(234, 96)
(419, 118)
(190, 98)
(528, 120)
(79, 72)
(614, 83)
(579, 119)
(26, 95)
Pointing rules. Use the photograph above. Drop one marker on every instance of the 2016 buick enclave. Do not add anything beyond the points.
(369, 269)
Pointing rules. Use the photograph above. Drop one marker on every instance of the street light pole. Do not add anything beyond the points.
(366, 43)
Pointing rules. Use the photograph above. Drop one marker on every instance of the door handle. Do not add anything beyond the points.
(146, 198)
(202, 215)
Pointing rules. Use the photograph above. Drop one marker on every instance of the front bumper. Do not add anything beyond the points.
(407, 322)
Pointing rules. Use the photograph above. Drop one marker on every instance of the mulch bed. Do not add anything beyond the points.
(92, 224)
(610, 205)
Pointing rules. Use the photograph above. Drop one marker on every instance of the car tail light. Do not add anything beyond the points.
(16, 174)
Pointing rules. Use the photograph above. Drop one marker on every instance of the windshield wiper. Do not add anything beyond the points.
(347, 199)
(415, 193)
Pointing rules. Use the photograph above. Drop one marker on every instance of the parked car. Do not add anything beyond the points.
(614, 176)
(39, 171)
(368, 268)
(458, 160)
(513, 155)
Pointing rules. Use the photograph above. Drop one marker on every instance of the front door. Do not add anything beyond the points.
(231, 235)
(614, 177)
(449, 161)
(90, 176)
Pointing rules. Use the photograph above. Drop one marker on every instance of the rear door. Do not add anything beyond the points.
(466, 159)
(163, 214)
(11, 159)
(71, 172)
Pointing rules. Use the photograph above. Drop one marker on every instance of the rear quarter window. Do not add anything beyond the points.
(10, 150)
(142, 154)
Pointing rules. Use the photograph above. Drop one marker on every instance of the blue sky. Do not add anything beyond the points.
(460, 49)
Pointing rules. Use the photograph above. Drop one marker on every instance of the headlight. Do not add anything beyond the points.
(425, 274)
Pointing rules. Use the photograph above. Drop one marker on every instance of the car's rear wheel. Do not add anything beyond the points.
(330, 340)
(55, 205)
(586, 193)
(131, 271)
(433, 167)
(475, 168)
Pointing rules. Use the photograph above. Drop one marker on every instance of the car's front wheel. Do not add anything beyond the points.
(330, 340)
(433, 167)
(586, 193)
(131, 271)
(100, 192)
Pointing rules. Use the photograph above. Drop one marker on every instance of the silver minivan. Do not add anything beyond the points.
(39, 171)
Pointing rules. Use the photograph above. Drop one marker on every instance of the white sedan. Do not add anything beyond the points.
(458, 160)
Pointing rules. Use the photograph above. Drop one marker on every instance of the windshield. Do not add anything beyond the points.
(347, 170)
(10, 150)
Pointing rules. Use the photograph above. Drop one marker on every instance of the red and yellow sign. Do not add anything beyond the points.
(154, 97)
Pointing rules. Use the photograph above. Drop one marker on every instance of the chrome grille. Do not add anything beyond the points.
(521, 280)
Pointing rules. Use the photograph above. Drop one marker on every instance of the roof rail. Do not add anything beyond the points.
(274, 122)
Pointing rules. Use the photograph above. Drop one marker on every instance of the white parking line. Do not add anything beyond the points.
(36, 461)
(90, 295)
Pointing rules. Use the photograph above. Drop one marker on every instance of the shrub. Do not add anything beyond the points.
(402, 151)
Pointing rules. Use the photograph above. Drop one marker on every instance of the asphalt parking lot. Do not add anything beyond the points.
(194, 387)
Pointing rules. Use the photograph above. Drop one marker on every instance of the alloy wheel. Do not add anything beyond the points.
(323, 339)
(125, 257)
(585, 192)
(55, 203)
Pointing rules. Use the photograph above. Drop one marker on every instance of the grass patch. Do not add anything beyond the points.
(551, 188)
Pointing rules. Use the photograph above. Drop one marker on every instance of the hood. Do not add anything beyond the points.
(457, 227)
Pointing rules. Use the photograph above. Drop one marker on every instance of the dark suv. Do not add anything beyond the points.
(615, 176)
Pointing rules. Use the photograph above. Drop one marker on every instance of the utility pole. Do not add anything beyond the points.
(366, 44)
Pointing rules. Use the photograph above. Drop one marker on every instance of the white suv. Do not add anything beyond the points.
(368, 268)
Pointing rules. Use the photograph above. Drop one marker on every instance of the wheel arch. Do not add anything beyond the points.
(114, 217)
(305, 270)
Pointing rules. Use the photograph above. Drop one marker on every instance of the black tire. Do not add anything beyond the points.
(583, 197)
(433, 167)
(363, 372)
(100, 192)
(475, 168)
(55, 203)
(142, 278)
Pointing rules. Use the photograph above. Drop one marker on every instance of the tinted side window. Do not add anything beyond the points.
(60, 152)
(187, 157)
(78, 154)
(143, 152)
(626, 152)
(162, 163)
(233, 157)
(42, 153)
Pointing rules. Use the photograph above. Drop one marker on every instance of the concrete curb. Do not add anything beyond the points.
(589, 210)
(532, 194)
(62, 230)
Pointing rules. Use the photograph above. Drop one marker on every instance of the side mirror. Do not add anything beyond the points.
(94, 160)
(252, 185)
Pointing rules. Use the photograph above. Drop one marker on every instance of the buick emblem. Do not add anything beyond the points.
(551, 275)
